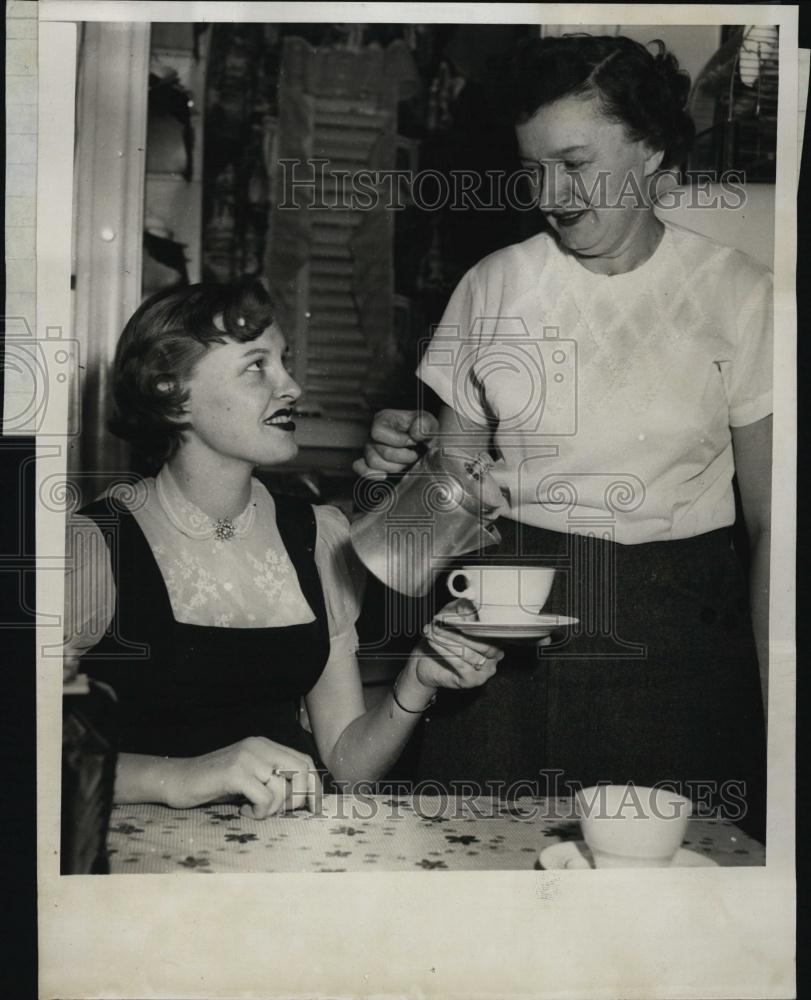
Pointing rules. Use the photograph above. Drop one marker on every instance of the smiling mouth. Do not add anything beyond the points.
(568, 218)
(281, 419)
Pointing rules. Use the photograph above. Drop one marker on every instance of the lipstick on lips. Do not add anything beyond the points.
(281, 419)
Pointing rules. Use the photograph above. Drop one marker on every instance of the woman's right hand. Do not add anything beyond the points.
(273, 778)
(393, 440)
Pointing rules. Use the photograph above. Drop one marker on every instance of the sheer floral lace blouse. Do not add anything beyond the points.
(246, 581)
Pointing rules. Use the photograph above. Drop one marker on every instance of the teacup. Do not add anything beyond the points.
(503, 594)
(627, 826)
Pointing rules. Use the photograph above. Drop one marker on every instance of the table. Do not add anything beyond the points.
(374, 832)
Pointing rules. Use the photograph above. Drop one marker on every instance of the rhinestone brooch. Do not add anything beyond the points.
(224, 529)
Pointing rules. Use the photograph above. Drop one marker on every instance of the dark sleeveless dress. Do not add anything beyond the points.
(186, 690)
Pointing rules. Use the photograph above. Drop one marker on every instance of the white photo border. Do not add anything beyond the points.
(664, 933)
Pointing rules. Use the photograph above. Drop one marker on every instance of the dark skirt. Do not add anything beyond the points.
(658, 682)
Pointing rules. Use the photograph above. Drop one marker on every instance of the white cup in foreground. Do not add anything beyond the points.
(503, 593)
(627, 826)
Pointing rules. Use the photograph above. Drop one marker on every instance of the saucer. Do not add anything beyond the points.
(573, 854)
(529, 627)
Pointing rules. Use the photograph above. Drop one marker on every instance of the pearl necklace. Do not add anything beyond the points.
(193, 522)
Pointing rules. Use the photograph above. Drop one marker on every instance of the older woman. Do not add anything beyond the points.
(621, 366)
(213, 607)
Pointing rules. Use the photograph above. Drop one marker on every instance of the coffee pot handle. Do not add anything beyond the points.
(492, 533)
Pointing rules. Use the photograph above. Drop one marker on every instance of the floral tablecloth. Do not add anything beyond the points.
(362, 833)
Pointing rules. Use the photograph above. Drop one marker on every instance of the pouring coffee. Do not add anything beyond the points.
(441, 509)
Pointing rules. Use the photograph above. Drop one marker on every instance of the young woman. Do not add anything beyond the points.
(212, 607)
(620, 464)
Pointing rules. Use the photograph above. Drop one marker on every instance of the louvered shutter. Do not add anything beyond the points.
(335, 279)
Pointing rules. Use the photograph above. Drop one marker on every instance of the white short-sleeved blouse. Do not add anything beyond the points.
(247, 581)
(613, 395)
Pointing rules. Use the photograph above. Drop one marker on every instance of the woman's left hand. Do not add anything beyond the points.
(448, 658)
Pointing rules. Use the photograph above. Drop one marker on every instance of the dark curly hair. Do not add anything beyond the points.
(645, 92)
(161, 343)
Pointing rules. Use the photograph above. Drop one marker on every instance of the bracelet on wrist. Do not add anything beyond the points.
(402, 707)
